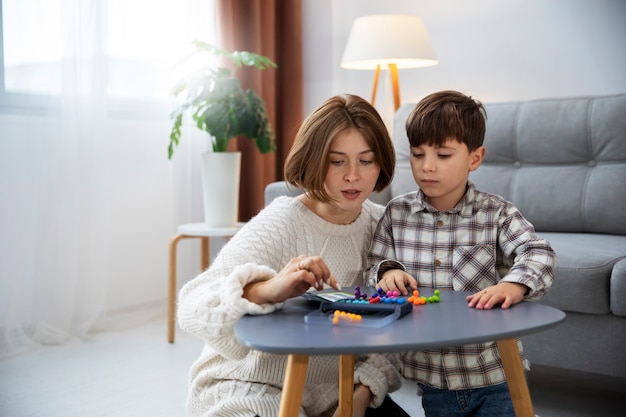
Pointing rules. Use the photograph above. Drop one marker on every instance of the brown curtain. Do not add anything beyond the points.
(272, 28)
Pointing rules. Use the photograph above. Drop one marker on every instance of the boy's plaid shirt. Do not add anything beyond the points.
(482, 241)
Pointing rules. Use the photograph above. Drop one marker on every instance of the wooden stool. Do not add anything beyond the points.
(204, 233)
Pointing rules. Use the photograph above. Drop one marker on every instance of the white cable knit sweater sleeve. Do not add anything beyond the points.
(377, 373)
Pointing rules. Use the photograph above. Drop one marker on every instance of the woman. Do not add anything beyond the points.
(342, 153)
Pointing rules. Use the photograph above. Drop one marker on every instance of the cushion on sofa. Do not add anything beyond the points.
(561, 161)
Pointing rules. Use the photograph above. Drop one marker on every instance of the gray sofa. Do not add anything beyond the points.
(562, 162)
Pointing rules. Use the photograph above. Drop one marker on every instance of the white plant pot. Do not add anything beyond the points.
(221, 173)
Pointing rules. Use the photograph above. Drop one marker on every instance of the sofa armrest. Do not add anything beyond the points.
(279, 188)
(618, 288)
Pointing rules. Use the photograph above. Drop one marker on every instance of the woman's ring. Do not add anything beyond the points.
(301, 265)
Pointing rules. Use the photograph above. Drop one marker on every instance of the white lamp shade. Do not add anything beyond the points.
(388, 39)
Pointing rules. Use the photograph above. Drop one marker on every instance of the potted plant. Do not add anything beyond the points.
(219, 106)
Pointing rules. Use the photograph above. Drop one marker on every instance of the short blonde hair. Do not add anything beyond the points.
(308, 161)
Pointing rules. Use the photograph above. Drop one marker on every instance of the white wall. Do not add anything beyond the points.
(495, 50)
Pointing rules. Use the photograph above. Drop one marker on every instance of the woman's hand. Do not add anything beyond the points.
(360, 400)
(300, 274)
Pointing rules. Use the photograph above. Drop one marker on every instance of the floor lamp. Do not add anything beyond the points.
(395, 41)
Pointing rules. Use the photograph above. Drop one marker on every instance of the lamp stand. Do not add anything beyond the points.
(395, 85)
(375, 87)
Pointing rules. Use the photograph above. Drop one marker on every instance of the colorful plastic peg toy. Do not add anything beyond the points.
(380, 296)
(344, 315)
(415, 299)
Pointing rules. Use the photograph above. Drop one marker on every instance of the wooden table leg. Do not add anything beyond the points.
(293, 387)
(346, 385)
(171, 305)
(515, 378)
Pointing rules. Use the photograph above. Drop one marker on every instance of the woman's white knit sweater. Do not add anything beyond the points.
(229, 379)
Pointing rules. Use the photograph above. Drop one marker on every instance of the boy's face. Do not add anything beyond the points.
(442, 172)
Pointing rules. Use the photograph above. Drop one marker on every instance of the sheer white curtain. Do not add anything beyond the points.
(88, 197)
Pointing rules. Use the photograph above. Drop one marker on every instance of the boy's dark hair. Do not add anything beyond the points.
(446, 115)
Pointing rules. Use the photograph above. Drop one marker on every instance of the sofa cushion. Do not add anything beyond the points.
(582, 281)
(562, 161)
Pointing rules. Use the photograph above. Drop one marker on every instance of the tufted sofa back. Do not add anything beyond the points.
(562, 162)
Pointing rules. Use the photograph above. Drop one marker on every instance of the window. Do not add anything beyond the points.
(119, 50)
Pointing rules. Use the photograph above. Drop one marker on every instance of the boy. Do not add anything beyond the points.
(449, 235)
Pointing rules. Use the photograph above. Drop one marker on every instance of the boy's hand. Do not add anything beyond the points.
(504, 293)
(397, 280)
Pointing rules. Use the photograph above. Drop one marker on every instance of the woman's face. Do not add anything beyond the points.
(352, 173)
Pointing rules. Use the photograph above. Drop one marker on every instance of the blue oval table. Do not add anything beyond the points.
(448, 323)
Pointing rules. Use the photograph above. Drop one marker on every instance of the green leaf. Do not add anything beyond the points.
(175, 135)
(217, 103)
